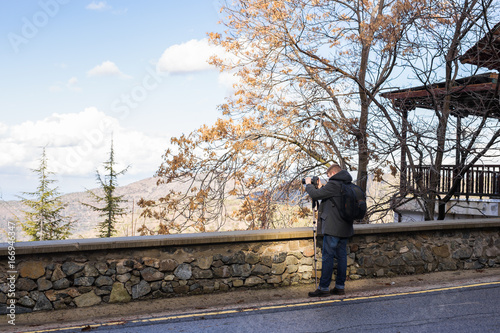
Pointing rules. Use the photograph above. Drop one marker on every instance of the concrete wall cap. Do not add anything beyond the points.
(80, 245)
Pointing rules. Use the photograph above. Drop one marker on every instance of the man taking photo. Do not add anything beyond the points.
(334, 229)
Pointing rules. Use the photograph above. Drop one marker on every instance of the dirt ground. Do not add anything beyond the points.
(239, 299)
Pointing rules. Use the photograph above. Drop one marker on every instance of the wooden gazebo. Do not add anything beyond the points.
(476, 95)
(471, 96)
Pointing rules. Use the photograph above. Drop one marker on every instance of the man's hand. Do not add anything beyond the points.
(308, 180)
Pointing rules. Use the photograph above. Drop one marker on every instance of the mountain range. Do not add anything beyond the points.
(88, 219)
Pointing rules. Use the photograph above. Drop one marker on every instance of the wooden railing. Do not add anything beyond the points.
(479, 180)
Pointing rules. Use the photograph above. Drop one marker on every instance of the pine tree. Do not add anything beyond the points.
(111, 210)
(44, 220)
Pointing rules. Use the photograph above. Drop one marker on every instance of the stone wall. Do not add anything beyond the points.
(80, 273)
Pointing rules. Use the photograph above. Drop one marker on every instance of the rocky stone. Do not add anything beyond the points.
(291, 260)
(102, 291)
(381, 261)
(90, 270)
(26, 301)
(123, 277)
(101, 267)
(350, 259)
(426, 254)
(141, 289)
(279, 268)
(354, 247)
(183, 271)
(404, 249)
(84, 281)
(104, 281)
(237, 258)
(121, 269)
(42, 303)
(25, 284)
(70, 268)
(398, 261)
(262, 270)
(463, 253)
(294, 245)
(447, 265)
(307, 261)
(222, 272)
(309, 251)
(181, 289)
(43, 284)
(168, 265)
(54, 295)
(151, 262)
(135, 279)
(119, 294)
(166, 288)
(59, 305)
(279, 258)
(253, 281)
(202, 273)
(4, 288)
(441, 251)
(88, 299)
(365, 261)
(302, 269)
(156, 285)
(267, 261)
(492, 252)
(84, 289)
(152, 274)
(241, 270)
(3, 298)
(238, 283)
(252, 258)
(194, 287)
(31, 269)
(274, 279)
(217, 263)
(58, 274)
(204, 262)
(296, 254)
(473, 265)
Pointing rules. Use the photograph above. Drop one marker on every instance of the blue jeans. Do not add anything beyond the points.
(333, 247)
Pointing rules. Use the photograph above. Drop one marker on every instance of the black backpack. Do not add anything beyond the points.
(352, 202)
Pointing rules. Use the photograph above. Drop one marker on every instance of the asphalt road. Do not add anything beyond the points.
(466, 308)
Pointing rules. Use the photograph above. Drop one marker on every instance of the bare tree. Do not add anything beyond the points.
(450, 118)
(308, 76)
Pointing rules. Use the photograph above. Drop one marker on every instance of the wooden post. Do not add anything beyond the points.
(403, 179)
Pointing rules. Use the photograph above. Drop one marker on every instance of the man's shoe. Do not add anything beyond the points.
(319, 293)
(336, 291)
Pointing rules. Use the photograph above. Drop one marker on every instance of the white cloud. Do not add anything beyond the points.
(72, 84)
(101, 5)
(55, 88)
(107, 68)
(188, 57)
(77, 144)
(228, 79)
(61, 65)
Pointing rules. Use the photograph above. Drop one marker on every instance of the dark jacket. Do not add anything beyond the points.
(329, 220)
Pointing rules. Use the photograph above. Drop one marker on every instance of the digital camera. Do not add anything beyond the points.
(314, 181)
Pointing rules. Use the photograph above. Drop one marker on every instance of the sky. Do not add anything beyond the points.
(76, 74)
